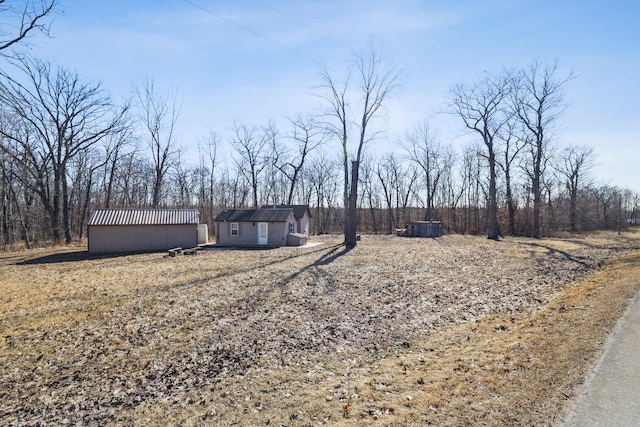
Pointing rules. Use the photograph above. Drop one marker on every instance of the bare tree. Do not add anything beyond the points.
(387, 170)
(321, 175)
(56, 117)
(16, 202)
(538, 103)
(113, 157)
(472, 189)
(307, 135)
(207, 171)
(481, 107)
(131, 181)
(274, 183)
(376, 84)
(20, 20)
(634, 216)
(433, 158)
(82, 175)
(181, 174)
(251, 147)
(574, 165)
(338, 125)
(158, 114)
(512, 146)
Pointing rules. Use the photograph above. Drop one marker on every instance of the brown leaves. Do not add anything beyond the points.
(242, 336)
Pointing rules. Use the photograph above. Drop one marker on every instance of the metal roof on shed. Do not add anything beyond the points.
(254, 215)
(298, 210)
(144, 217)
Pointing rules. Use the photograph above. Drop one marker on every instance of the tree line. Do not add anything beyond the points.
(66, 148)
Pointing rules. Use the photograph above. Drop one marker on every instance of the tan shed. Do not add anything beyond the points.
(142, 230)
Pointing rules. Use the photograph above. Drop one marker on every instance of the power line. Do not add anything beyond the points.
(252, 32)
(280, 45)
(294, 20)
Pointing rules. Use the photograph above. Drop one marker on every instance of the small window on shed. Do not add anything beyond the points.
(234, 228)
(291, 227)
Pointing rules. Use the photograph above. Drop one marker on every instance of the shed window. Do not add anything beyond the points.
(290, 227)
(234, 228)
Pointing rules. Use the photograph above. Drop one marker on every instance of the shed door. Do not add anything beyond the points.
(263, 233)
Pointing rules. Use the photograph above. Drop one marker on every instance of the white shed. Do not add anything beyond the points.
(142, 230)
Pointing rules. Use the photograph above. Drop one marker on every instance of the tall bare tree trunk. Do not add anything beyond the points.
(377, 83)
(537, 196)
(510, 205)
(494, 230)
(352, 221)
(482, 109)
(537, 103)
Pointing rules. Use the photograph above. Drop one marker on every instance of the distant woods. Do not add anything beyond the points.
(67, 147)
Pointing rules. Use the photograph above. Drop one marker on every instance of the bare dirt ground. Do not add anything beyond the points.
(457, 330)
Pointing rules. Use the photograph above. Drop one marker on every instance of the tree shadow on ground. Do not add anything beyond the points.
(581, 243)
(327, 258)
(84, 255)
(333, 254)
(328, 255)
(75, 256)
(553, 251)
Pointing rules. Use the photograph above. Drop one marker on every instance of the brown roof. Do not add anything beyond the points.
(143, 217)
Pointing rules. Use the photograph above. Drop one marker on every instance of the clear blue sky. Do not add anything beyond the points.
(257, 60)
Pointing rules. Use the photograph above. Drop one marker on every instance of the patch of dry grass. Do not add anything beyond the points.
(451, 331)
